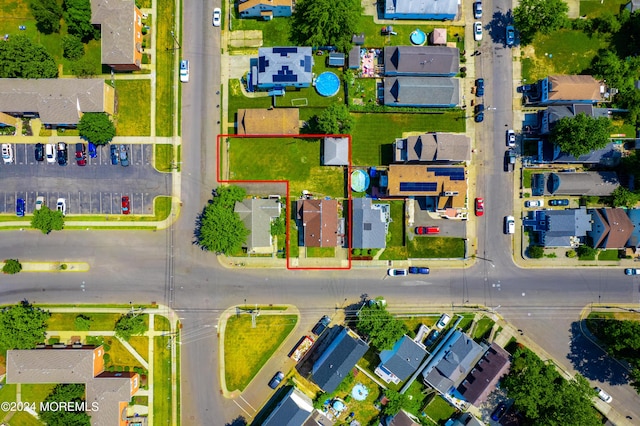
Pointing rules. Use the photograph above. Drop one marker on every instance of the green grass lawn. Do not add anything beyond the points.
(163, 159)
(321, 252)
(396, 249)
(165, 70)
(119, 355)
(247, 349)
(61, 321)
(274, 33)
(608, 255)
(295, 160)
(374, 38)
(439, 410)
(161, 323)
(374, 133)
(595, 8)
(435, 247)
(561, 52)
(482, 328)
(134, 109)
(161, 380)
(141, 345)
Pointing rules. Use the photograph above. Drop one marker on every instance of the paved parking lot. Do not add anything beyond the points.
(96, 188)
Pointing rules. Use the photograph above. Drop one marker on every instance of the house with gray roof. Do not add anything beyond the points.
(57, 102)
(433, 147)
(632, 6)
(574, 183)
(402, 418)
(454, 359)
(420, 9)
(107, 394)
(559, 228)
(610, 229)
(335, 151)
(401, 361)
(436, 92)
(281, 67)
(369, 224)
(337, 358)
(120, 23)
(421, 61)
(257, 214)
(549, 116)
(292, 410)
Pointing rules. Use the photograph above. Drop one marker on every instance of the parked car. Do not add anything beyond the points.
(499, 412)
(509, 225)
(39, 202)
(124, 156)
(39, 152)
(50, 151)
(81, 156)
(479, 206)
(275, 381)
(217, 17)
(632, 271)
(125, 205)
(510, 35)
(61, 206)
(321, 325)
(443, 321)
(419, 270)
(477, 31)
(19, 207)
(397, 272)
(480, 87)
(93, 153)
(604, 396)
(427, 230)
(477, 10)
(559, 202)
(511, 138)
(479, 113)
(114, 155)
(7, 153)
(184, 71)
(533, 203)
(433, 336)
(62, 153)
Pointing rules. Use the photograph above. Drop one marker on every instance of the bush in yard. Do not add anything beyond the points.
(129, 325)
(11, 266)
(72, 47)
(48, 14)
(96, 127)
(536, 252)
(335, 119)
(586, 252)
(82, 323)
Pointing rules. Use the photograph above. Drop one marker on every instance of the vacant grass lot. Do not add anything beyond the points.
(247, 349)
(165, 70)
(141, 345)
(595, 8)
(274, 33)
(161, 380)
(435, 247)
(134, 108)
(66, 321)
(119, 355)
(374, 134)
(295, 160)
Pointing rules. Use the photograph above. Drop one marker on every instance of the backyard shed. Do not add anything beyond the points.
(336, 59)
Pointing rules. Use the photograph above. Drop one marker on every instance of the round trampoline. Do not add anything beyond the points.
(359, 181)
(418, 37)
(327, 84)
(359, 392)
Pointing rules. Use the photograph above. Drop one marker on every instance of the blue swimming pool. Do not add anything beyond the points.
(327, 84)
(418, 37)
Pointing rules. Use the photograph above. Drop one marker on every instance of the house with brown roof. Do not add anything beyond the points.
(446, 184)
(57, 102)
(569, 89)
(441, 147)
(107, 394)
(319, 221)
(120, 23)
(265, 9)
(274, 121)
(484, 377)
(610, 228)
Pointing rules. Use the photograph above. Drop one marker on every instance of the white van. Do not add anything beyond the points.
(50, 153)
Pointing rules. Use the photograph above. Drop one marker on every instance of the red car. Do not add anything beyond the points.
(479, 206)
(426, 230)
(125, 205)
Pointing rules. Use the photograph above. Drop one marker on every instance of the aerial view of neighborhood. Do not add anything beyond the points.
(320, 212)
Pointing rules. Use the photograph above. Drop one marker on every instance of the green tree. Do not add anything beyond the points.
(96, 127)
(72, 47)
(380, 326)
(396, 401)
(585, 252)
(335, 119)
(84, 67)
(47, 14)
(82, 322)
(12, 266)
(78, 18)
(536, 252)
(22, 326)
(581, 134)
(20, 58)
(326, 23)
(219, 229)
(130, 325)
(621, 196)
(66, 393)
(545, 16)
(607, 23)
(47, 220)
(278, 226)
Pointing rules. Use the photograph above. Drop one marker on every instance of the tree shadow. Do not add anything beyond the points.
(497, 28)
(238, 421)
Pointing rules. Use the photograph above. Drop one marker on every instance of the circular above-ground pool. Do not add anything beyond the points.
(327, 84)
(418, 37)
(359, 181)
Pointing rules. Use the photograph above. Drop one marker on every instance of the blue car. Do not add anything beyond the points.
(511, 35)
(114, 155)
(480, 87)
(19, 207)
(418, 270)
(92, 150)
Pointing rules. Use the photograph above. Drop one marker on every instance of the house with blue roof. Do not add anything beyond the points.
(369, 224)
(292, 410)
(401, 361)
(559, 228)
(265, 9)
(421, 61)
(420, 9)
(277, 68)
(435, 92)
(634, 238)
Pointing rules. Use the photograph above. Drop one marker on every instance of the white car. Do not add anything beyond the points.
(61, 206)
(217, 17)
(511, 138)
(39, 202)
(477, 10)
(477, 31)
(632, 271)
(50, 153)
(509, 225)
(184, 71)
(7, 153)
(443, 321)
(533, 203)
(397, 272)
(604, 396)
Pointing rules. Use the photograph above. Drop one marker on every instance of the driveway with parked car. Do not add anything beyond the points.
(95, 188)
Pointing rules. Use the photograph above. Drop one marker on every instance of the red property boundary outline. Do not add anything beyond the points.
(286, 182)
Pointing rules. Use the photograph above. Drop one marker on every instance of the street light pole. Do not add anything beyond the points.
(175, 40)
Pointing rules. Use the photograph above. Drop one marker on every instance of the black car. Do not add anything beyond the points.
(321, 325)
(560, 202)
(114, 155)
(62, 153)
(39, 152)
(124, 156)
(480, 87)
(499, 412)
(275, 381)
